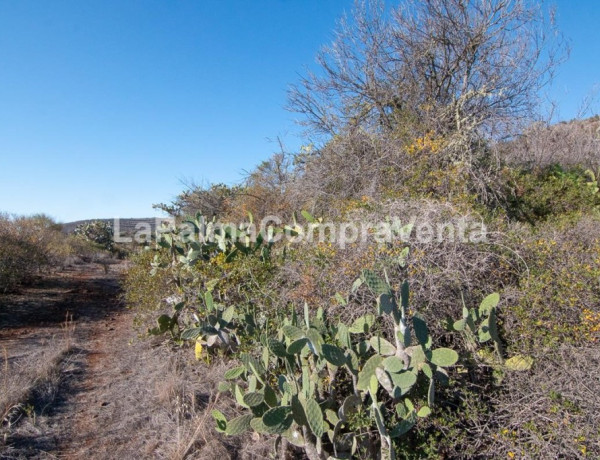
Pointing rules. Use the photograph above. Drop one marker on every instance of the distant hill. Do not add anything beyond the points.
(126, 226)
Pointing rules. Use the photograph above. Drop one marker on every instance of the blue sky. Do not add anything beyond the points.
(107, 105)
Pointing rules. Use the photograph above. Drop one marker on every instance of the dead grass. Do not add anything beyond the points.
(31, 382)
(552, 411)
(186, 397)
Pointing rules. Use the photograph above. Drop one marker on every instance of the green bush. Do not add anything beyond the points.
(536, 195)
(145, 292)
(556, 299)
(228, 268)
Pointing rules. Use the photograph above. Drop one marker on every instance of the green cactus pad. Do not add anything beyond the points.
(239, 396)
(352, 361)
(254, 399)
(293, 332)
(405, 294)
(426, 368)
(404, 380)
(386, 304)
(417, 355)
(431, 392)
(362, 325)
(401, 410)
(424, 412)
(402, 428)
(379, 421)
(296, 346)
(192, 333)
(295, 437)
(488, 303)
(315, 339)
(393, 364)
(331, 417)
(228, 314)
(375, 283)
(368, 370)
(238, 425)
(334, 355)
(298, 412)
(277, 348)
(484, 333)
(460, 324)
(270, 396)
(220, 419)
(314, 416)
(257, 425)
(421, 331)
(343, 335)
(444, 357)
(278, 419)
(234, 373)
(382, 346)
(384, 379)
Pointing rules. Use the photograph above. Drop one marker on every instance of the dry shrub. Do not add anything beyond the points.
(349, 166)
(438, 271)
(186, 395)
(415, 164)
(550, 411)
(29, 245)
(576, 143)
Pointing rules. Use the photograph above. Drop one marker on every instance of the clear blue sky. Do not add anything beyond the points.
(106, 105)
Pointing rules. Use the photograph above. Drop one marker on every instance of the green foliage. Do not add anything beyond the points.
(480, 326)
(556, 300)
(144, 292)
(208, 268)
(309, 379)
(537, 195)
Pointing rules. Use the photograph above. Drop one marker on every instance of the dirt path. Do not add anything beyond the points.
(78, 313)
(97, 391)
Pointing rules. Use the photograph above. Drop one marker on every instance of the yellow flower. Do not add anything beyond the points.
(511, 455)
(198, 350)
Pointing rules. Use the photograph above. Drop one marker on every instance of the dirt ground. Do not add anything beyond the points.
(84, 385)
(79, 313)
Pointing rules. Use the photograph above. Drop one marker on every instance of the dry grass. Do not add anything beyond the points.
(552, 411)
(185, 398)
(31, 382)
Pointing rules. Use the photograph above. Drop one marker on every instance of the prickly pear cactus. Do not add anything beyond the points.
(325, 386)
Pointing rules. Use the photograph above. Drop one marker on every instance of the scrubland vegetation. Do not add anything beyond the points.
(409, 348)
(32, 245)
(439, 347)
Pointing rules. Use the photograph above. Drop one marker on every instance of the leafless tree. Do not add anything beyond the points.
(463, 69)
